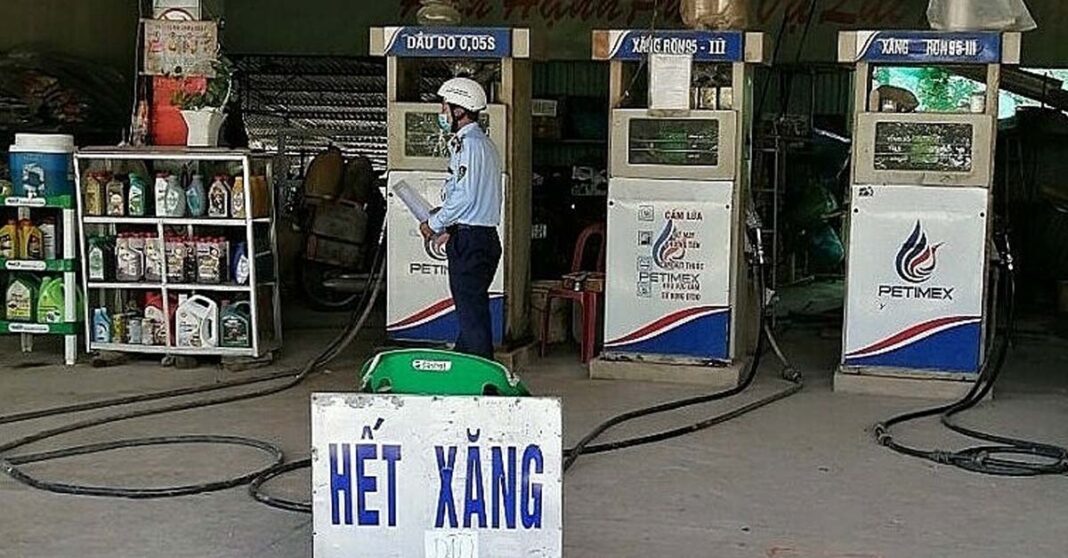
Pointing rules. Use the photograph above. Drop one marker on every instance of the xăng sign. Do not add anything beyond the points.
(436, 477)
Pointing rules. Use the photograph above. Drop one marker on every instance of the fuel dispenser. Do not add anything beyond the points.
(419, 306)
(679, 304)
(917, 304)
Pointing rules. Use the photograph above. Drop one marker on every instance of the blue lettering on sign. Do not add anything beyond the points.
(719, 46)
(445, 503)
(533, 462)
(505, 472)
(341, 483)
(474, 496)
(450, 42)
(931, 47)
(504, 484)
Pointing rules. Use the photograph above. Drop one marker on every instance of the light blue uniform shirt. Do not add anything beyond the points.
(473, 189)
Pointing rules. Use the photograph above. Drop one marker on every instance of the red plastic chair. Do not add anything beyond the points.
(587, 300)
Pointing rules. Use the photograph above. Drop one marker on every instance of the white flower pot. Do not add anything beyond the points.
(203, 126)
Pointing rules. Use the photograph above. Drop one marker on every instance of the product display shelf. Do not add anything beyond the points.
(65, 265)
(262, 294)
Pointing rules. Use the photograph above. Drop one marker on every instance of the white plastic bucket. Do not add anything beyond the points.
(42, 165)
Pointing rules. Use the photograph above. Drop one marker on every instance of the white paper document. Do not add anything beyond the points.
(417, 204)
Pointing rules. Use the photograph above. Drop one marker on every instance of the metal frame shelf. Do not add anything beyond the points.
(64, 265)
(255, 288)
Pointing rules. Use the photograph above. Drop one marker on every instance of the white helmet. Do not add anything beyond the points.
(463, 92)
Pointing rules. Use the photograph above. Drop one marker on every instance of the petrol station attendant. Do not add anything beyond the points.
(467, 221)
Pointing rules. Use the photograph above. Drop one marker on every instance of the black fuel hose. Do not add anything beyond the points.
(12, 464)
(586, 446)
(1001, 456)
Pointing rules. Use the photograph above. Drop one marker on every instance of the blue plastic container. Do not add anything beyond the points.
(42, 165)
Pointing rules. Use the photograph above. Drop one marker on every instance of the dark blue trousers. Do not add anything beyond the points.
(474, 253)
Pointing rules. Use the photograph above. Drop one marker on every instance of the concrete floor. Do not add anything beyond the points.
(799, 479)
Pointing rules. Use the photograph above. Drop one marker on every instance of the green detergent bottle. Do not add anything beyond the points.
(433, 372)
(50, 301)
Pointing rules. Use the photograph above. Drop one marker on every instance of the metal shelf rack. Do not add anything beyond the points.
(262, 292)
(64, 265)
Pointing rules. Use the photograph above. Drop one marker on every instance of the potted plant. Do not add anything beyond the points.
(203, 112)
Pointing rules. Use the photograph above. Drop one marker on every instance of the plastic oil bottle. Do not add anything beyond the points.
(235, 323)
(20, 298)
(196, 322)
(9, 240)
(30, 240)
(50, 301)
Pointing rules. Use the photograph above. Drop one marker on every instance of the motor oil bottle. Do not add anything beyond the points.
(237, 198)
(99, 258)
(175, 198)
(101, 326)
(48, 237)
(30, 241)
(115, 194)
(195, 197)
(94, 194)
(219, 198)
(154, 325)
(241, 265)
(9, 240)
(50, 301)
(196, 322)
(137, 196)
(20, 298)
(160, 194)
(235, 324)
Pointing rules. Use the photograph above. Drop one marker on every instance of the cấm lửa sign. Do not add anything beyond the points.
(436, 477)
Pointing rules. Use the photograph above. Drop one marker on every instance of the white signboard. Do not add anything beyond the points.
(916, 276)
(436, 477)
(669, 246)
(419, 304)
(180, 48)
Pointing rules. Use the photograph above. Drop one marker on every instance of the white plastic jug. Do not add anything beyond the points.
(196, 322)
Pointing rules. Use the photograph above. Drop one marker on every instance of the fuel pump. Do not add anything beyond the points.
(917, 303)
(679, 304)
(419, 306)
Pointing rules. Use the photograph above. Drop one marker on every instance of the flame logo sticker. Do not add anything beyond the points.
(917, 258)
(670, 247)
(435, 249)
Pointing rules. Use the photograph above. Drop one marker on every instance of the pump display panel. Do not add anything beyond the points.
(700, 145)
(417, 143)
(924, 149)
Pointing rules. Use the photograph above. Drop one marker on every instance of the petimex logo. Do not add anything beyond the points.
(915, 263)
(670, 246)
(917, 258)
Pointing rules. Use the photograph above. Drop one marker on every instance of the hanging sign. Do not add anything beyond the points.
(436, 477)
(703, 46)
(180, 48)
(449, 42)
(926, 47)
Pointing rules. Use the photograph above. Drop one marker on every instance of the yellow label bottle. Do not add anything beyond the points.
(30, 241)
(9, 241)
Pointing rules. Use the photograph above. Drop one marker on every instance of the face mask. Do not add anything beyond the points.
(444, 124)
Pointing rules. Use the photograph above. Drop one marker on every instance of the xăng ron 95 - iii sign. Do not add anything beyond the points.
(436, 477)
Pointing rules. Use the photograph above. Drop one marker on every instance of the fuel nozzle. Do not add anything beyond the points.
(755, 244)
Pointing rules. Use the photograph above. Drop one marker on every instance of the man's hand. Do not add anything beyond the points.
(426, 231)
